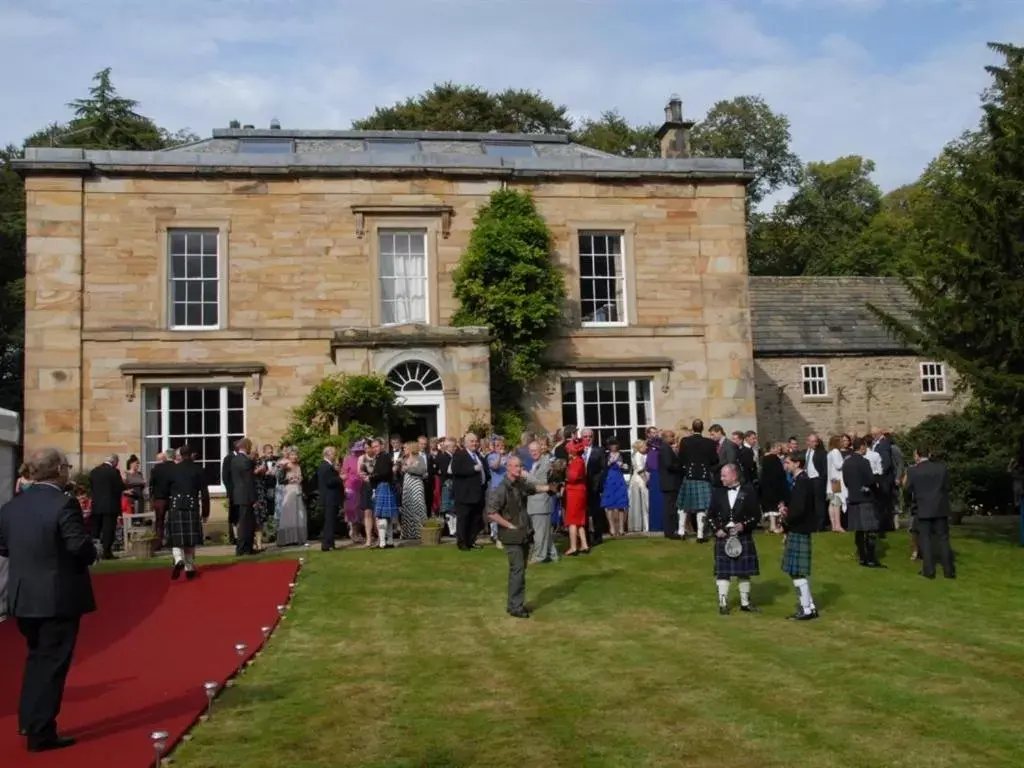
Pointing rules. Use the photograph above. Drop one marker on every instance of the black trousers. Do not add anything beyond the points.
(330, 526)
(670, 512)
(246, 530)
(598, 517)
(104, 528)
(470, 519)
(51, 643)
(931, 535)
(232, 521)
(866, 541)
(820, 486)
(517, 555)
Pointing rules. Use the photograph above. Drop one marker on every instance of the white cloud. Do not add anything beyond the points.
(321, 64)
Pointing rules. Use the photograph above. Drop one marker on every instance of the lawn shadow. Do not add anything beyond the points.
(828, 595)
(989, 530)
(766, 592)
(566, 587)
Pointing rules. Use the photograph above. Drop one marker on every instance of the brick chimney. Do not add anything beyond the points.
(674, 135)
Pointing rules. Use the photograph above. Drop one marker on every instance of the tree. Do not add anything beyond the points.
(451, 107)
(507, 281)
(746, 127)
(103, 120)
(888, 245)
(815, 231)
(969, 275)
(613, 134)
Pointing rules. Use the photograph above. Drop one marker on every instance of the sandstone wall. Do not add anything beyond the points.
(862, 392)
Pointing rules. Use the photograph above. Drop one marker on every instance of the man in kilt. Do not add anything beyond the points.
(698, 456)
(734, 512)
(799, 520)
(188, 506)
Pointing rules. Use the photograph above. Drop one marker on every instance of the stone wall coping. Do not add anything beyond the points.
(65, 160)
(132, 371)
(614, 364)
(824, 353)
(410, 336)
(285, 134)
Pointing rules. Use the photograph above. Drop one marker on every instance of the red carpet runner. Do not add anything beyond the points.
(143, 657)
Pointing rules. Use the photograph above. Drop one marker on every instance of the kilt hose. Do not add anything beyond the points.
(742, 567)
(796, 556)
(694, 496)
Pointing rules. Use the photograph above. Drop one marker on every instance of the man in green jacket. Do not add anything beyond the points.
(506, 506)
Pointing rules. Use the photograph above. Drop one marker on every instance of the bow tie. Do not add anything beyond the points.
(734, 487)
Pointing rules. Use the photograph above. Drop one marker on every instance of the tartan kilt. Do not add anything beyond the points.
(385, 504)
(184, 523)
(862, 517)
(743, 566)
(447, 497)
(694, 496)
(796, 556)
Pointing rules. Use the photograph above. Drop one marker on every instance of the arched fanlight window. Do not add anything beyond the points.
(415, 377)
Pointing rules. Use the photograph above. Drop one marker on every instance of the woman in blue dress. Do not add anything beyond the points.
(615, 496)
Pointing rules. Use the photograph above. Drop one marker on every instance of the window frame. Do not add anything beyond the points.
(938, 374)
(166, 231)
(625, 233)
(805, 379)
(634, 426)
(164, 387)
(424, 231)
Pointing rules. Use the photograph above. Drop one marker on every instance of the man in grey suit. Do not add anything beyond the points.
(538, 507)
(928, 485)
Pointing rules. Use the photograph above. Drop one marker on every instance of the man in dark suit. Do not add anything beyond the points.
(816, 466)
(596, 460)
(331, 492)
(928, 484)
(245, 493)
(670, 478)
(745, 457)
(159, 477)
(106, 487)
(470, 478)
(43, 534)
(882, 445)
(227, 481)
(728, 451)
(861, 506)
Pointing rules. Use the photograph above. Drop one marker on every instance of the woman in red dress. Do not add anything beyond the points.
(576, 499)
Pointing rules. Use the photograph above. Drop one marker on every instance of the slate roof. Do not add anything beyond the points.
(277, 152)
(805, 316)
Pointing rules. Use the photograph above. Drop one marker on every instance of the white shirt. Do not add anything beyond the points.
(876, 461)
(812, 471)
(733, 493)
(478, 460)
(835, 474)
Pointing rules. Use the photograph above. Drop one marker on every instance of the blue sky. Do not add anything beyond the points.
(889, 79)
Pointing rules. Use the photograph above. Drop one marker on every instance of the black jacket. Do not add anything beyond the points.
(226, 478)
(928, 485)
(698, 456)
(186, 478)
(859, 479)
(801, 517)
(467, 487)
(729, 454)
(106, 487)
(746, 511)
(43, 535)
(159, 477)
(670, 476)
(773, 487)
(328, 485)
(244, 492)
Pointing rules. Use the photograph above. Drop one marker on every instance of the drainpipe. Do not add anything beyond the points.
(81, 330)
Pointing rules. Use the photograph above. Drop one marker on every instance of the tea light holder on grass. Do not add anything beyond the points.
(159, 741)
(266, 633)
(281, 610)
(210, 688)
(240, 649)
(291, 585)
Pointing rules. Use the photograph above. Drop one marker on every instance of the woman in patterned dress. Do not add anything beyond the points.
(293, 528)
(414, 500)
(353, 487)
(385, 505)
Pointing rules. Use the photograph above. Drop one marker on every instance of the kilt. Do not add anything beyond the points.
(385, 504)
(184, 524)
(447, 497)
(862, 517)
(743, 566)
(694, 496)
(796, 556)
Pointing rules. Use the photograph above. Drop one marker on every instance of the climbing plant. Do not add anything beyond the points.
(507, 281)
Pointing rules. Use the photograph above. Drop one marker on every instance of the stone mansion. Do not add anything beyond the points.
(202, 291)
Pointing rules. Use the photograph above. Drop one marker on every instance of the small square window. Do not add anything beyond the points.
(815, 381)
(933, 379)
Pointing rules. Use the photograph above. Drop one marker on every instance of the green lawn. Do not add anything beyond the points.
(405, 658)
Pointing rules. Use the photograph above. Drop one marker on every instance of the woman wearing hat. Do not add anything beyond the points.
(354, 488)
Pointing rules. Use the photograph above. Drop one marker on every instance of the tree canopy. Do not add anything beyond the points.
(968, 274)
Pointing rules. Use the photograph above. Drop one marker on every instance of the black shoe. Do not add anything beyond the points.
(748, 608)
(522, 613)
(875, 564)
(176, 571)
(949, 576)
(673, 536)
(723, 610)
(476, 546)
(924, 575)
(190, 575)
(54, 742)
(702, 541)
(801, 616)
